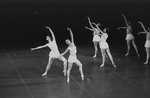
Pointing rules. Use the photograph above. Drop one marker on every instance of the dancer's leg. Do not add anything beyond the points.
(80, 68)
(147, 53)
(103, 57)
(128, 47)
(68, 71)
(96, 49)
(110, 56)
(48, 66)
(64, 63)
(133, 42)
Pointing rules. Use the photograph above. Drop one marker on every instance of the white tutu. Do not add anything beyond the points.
(129, 37)
(96, 38)
(54, 54)
(72, 59)
(147, 44)
(103, 45)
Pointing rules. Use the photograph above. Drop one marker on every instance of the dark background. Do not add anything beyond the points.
(22, 22)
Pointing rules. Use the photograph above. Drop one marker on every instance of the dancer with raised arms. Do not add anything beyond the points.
(105, 47)
(72, 57)
(96, 37)
(129, 36)
(147, 43)
(54, 53)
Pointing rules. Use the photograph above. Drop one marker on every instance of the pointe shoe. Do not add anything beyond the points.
(126, 54)
(68, 80)
(94, 56)
(138, 55)
(146, 62)
(82, 77)
(114, 65)
(64, 73)
(44, 74)
(102, 65)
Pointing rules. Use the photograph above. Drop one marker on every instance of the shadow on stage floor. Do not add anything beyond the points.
(21, 70)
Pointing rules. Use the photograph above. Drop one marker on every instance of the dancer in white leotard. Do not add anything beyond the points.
(105, 47)
(72, 57)
(129, 36)
(54, 53)
(96, 37)
(147, 43)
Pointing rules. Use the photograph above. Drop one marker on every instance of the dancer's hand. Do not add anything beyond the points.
(139, 22)
(32, 49)
(47, 27)
(68, 29)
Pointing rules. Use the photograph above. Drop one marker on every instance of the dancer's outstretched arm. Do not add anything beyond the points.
(125, 20)
(53, 36)
(39, 47)
(65, 52)
(143, 27)
(89, 28)
(91, 23)
(71, 35)
(122, 28)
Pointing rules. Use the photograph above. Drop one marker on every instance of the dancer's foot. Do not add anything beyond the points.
(94, 56)
(44, 74)
(102, 65)
(126, 54)
(64, 72)
(82, 77)
(114, 65)
(138, 55)
(68, 80)
(146, 62)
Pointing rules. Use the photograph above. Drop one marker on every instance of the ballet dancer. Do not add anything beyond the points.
(54, 53)
(105, 47)
(72, 57)
(96, 37)
(147, 43)
(129, 36)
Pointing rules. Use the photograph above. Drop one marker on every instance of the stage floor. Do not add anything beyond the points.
(21, 70)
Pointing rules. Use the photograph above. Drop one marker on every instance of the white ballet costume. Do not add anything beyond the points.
(96, 37)
(72, 57)
(103, 43)
(129, 35)
(54, 53)
(147, 43)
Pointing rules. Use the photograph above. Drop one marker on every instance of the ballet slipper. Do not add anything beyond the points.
(82, 77)
(44, 74)
(64, 73)
(68, 80)
(102, 65)
(146, 62)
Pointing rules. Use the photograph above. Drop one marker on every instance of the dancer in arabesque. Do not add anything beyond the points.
(54, 53)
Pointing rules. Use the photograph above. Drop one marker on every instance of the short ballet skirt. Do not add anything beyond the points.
(103, 45)
(147, 44)
(72, 58)
(96, 38)
(54, 54)
(129, 37)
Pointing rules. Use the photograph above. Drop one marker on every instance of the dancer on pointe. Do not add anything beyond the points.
(129, 36)
(147, 43)
(72, 57)
(96, 37)
(105, 47)
(54, 53)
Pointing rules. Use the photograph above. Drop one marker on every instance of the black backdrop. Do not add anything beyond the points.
(22, 22)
